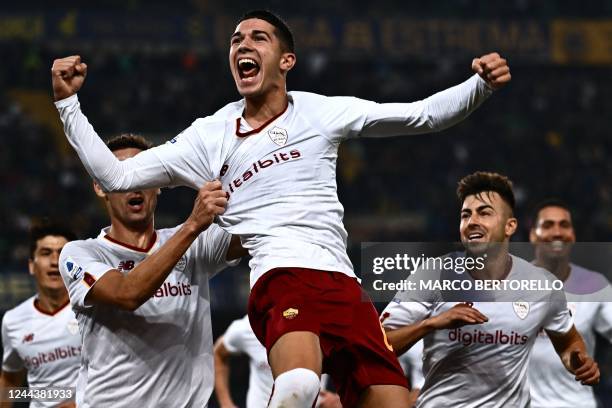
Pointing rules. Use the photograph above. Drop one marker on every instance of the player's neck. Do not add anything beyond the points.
(259, 110)
(559, 267)
(496, 266)
(51, 300)
(134, 236)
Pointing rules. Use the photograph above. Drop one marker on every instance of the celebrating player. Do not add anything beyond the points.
(553, 235)
(40, 337)
(275, 153)
(475, 355)
(141, 298)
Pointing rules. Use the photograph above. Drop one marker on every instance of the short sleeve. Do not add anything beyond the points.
(80, 269)
(11, 360)
(559, 319)
(399, 314)
(233, 339)
(211, 248)
(603, 320)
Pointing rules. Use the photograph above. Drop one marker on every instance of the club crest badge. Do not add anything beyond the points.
(278, 135)
(521, 309)
(290, 313)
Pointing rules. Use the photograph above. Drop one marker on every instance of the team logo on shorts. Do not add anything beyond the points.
(521, 309)
(73, 327)
(74, 270)
(290, 313)
(278, 135)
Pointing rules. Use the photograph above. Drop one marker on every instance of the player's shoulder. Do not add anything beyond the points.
(527, 270)
(314, 100)
(18, 313)
(228, 112)
(583, 280)
(79, 247)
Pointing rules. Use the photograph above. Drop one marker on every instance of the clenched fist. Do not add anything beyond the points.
(67, 76)
(493, 69)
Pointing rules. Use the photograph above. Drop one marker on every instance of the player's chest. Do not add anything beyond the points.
(510, 324)
(43, 342)
(276, 150)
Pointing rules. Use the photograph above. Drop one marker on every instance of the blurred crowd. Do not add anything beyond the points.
(548, 131)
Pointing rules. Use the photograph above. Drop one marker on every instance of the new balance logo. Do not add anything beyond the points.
(126, 265)
(28, 338)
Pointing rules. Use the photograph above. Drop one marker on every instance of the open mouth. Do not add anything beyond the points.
(54, 274)
(247, 68)
(136, 203)
(475, 236)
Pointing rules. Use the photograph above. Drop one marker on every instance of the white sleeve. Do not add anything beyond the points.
(399, 314)
(171, 164)
(11, 360)
(412, 364)
(211, 248)
(603, 320)
(559, 319)
(233, 338)
(437, 112)
(80, 269)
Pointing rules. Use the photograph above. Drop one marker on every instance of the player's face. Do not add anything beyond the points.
(134, 209)
(485, 219)
(257, 60)
(44, 263)
(553, 232)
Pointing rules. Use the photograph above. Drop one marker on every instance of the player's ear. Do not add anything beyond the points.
(31, 266)
(99, 192)
(287, 61)
(511, 225)
(158, 191)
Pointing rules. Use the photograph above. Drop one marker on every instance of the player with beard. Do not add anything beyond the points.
(476, 354)
(275, 153)
(553, 235)
(142, 301)
(40, 337)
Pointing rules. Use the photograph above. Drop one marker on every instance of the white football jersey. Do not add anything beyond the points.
(239, 338)
(551, 384)
(159, 355)
(481, 365)
(47, 345)
(412, 364)
(281, 177)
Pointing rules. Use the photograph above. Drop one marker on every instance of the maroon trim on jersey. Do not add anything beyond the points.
(89, 279)
(259, 129)
(132, 247)
(53, 313)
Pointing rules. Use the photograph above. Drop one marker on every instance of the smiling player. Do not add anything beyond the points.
(275, 152)
(476, 355)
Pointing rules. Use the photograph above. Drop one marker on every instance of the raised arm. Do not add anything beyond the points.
(150, 169)
(441, 110)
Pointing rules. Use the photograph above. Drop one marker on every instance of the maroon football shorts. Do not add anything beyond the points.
(356, 353)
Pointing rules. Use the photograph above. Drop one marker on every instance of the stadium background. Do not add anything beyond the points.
(155, 67)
